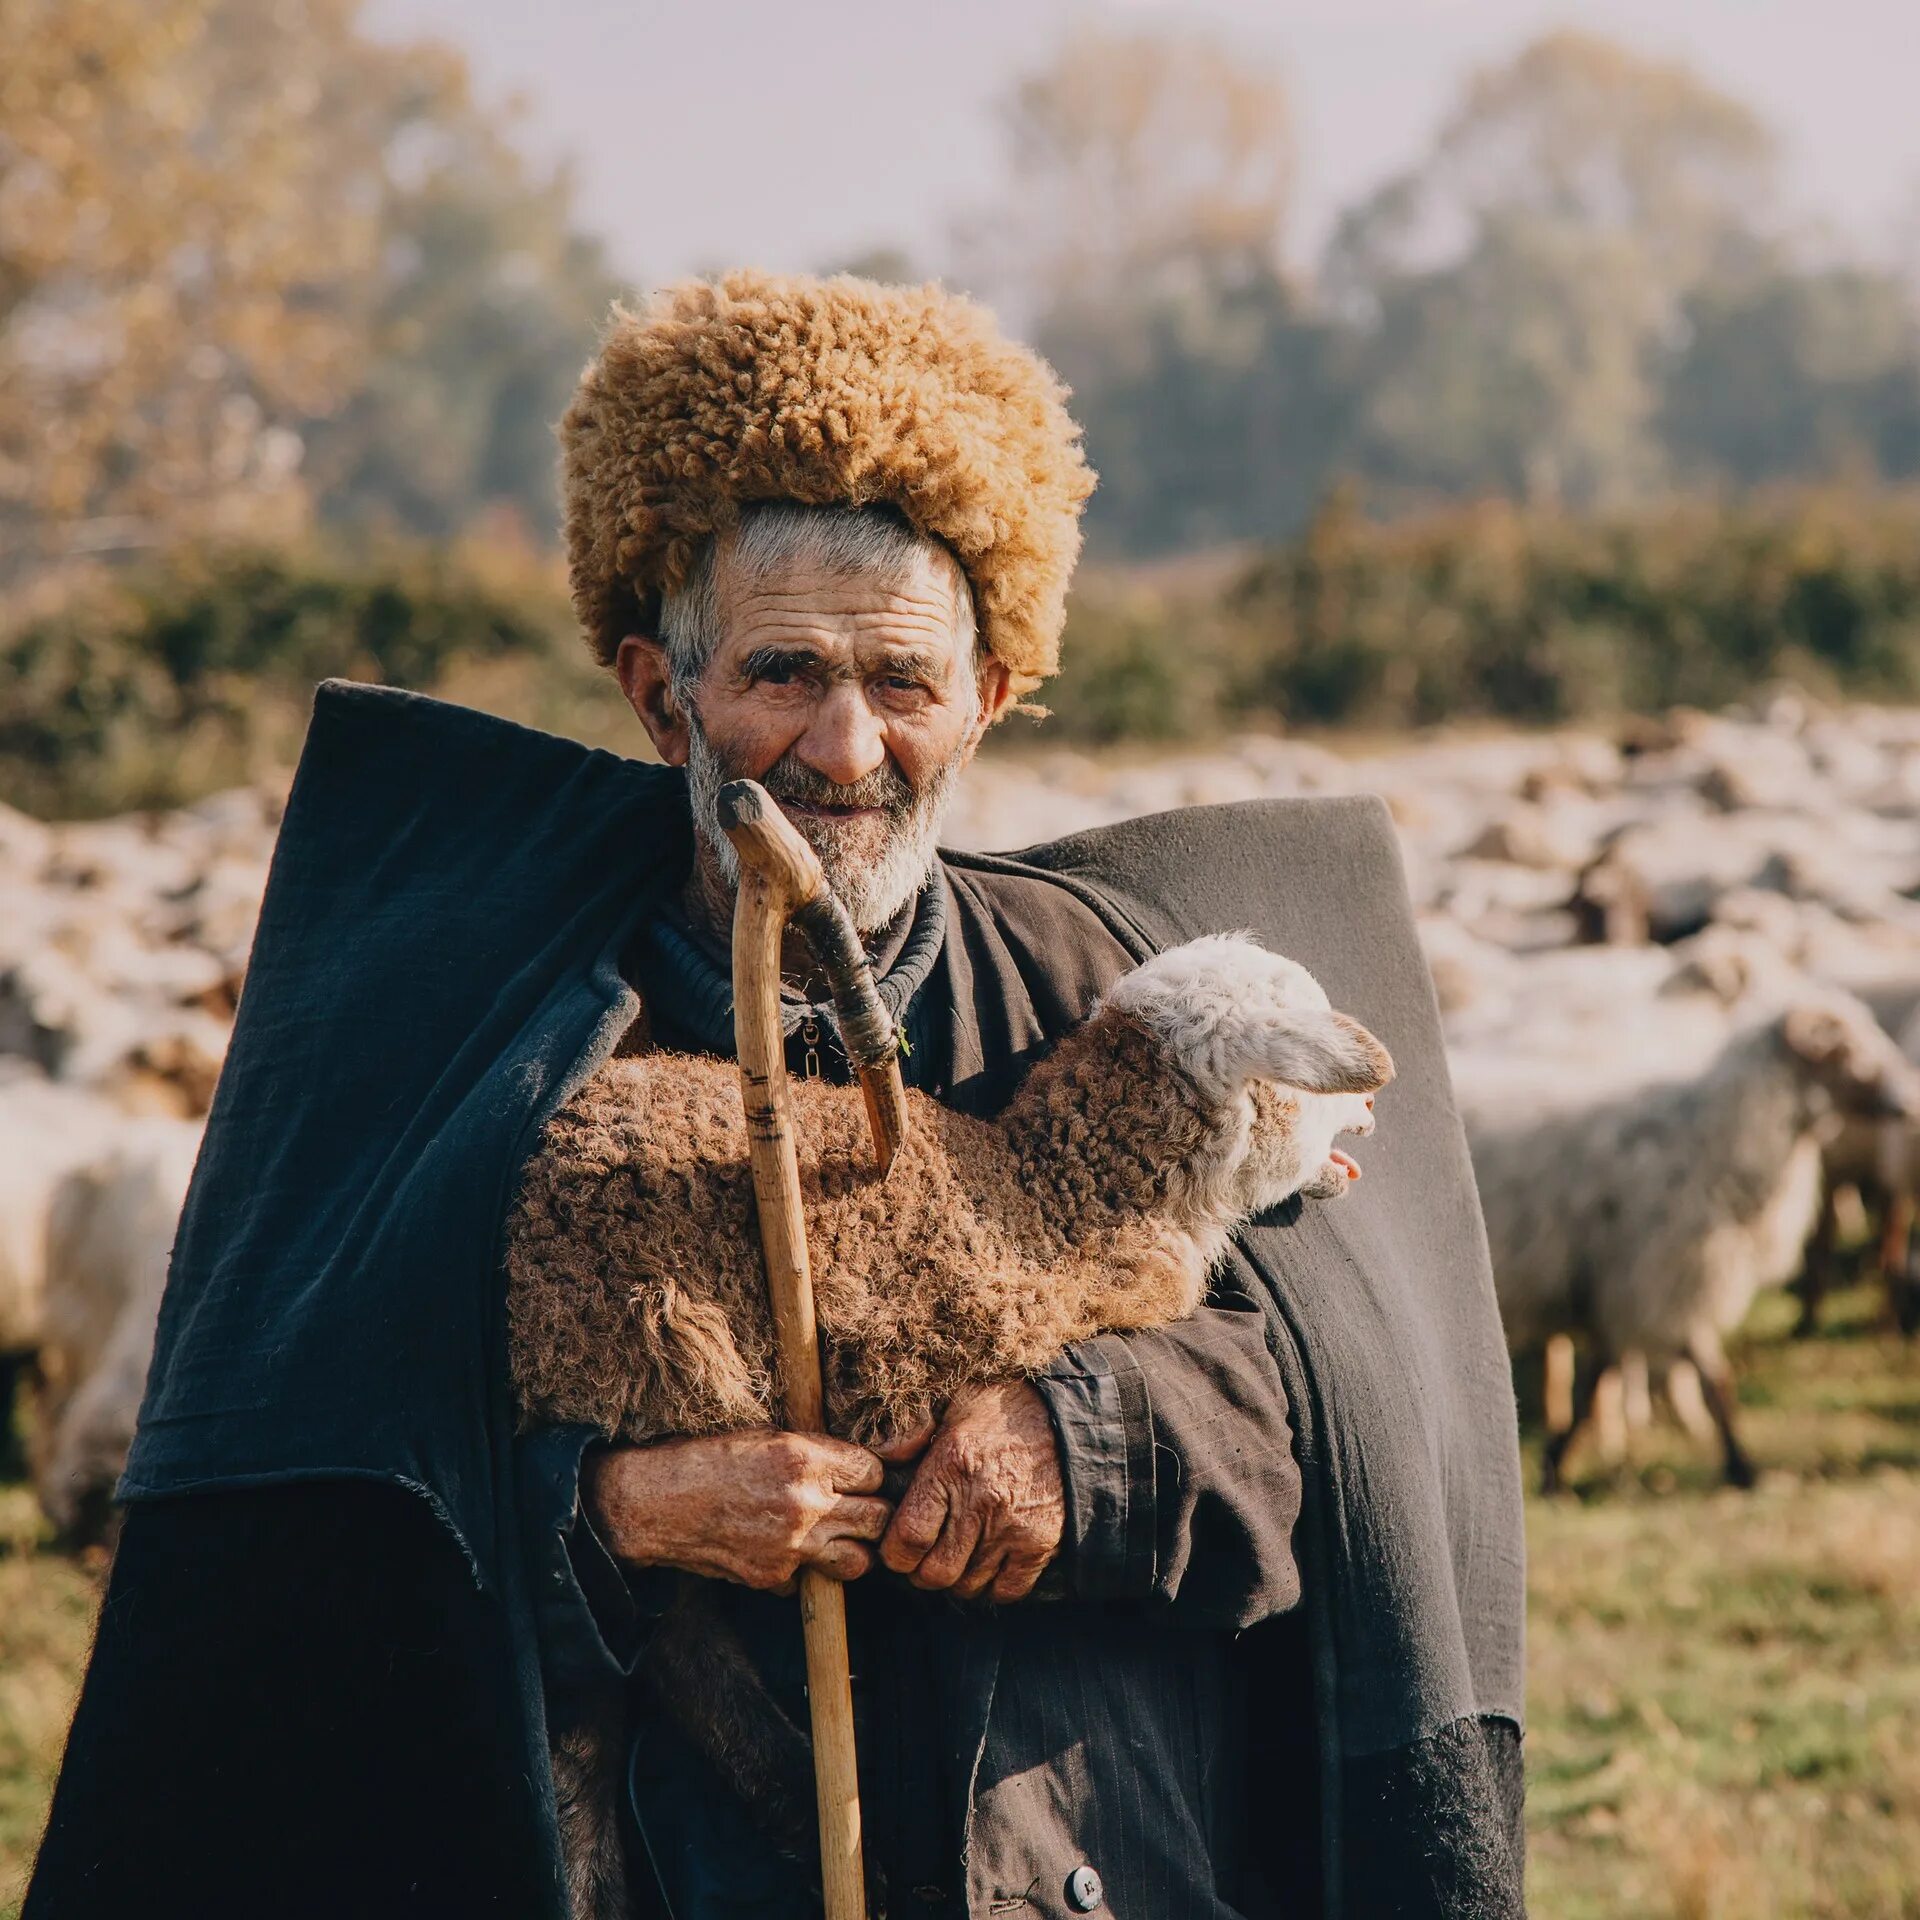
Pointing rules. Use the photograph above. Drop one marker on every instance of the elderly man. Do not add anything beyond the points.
(1216, 1620)
(832, 656)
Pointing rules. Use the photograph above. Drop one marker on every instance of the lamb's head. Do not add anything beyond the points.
(1280, 1071)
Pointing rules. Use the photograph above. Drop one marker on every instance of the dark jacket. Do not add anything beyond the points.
(316, 1684)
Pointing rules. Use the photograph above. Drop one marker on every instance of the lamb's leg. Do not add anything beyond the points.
(1561, 1440)
(1636, 1398)
(1552, 1461)
(1688, 1401)
(1556, 1383)
(1609, 1413)
(587, 1760)
(1816, 1271)
(1716, 1388)
(15, 1369)
(1897, 1260)
(1598, 1412)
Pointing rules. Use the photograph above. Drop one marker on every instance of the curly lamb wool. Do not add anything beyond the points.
(837, 392)
(1210, 1083)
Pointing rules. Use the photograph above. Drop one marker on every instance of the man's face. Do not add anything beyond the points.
(853, 702)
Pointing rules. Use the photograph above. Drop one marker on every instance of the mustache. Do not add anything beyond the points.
(886, 788)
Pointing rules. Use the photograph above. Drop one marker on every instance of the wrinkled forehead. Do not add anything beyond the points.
(879, 618)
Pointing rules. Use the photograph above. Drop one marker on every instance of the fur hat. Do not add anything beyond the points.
(827, 392)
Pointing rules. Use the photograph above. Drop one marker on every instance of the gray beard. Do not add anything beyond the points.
(873, 889)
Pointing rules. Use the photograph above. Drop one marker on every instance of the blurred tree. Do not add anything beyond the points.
(186, 188)
(478, 315)
(234, 235)
(1525, 369)
(1139, 162)
(1141, 232)
(1795, 373)
(1211, 414)
(1521, 284)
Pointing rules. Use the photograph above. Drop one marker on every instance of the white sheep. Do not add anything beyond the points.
(45, 1130)
(109, 1238)
(1649, 1220)
(1880, 1161)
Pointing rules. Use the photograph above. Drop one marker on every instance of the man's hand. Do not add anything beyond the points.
(986, 1509)
(752, 1507)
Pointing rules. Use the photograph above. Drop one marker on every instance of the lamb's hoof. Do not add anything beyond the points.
(1740, 1474)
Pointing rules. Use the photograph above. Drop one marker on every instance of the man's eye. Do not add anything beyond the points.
(902, 683)
(778, 669)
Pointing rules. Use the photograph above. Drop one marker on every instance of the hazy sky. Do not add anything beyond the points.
(792, 133)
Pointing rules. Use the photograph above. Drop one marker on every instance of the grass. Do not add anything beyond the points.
(1725, 1688)
(47, 1602)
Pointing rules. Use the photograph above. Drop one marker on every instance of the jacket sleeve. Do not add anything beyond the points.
(593, 1620)
(1177, 1454)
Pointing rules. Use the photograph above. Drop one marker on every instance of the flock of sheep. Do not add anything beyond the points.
(1679, 972)
(122, 947)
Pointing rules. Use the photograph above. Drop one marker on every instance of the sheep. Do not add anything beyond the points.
(1880, 1161)
(1650, 1220)
(110, 1232)
(137, 1043)
(45, 1129)
(1209, 1084)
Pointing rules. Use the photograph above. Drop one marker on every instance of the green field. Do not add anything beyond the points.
(1725, 1687)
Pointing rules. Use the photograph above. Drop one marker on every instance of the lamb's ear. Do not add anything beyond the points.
(1321, 1052)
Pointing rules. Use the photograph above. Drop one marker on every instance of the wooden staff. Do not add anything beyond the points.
(781, 881)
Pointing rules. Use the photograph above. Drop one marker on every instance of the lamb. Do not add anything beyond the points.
(1650, 1221)
(1208, 1085)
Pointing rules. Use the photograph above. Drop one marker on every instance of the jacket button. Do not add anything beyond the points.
(1084, 1891)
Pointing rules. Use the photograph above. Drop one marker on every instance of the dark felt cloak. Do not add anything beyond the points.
(315, 1687)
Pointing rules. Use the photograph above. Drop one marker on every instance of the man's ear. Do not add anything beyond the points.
(996, 692)
(646, 680)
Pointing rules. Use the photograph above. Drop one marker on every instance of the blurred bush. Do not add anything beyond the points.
(149, 687)
(1497, 611)
(1502, 612)
(160, 684)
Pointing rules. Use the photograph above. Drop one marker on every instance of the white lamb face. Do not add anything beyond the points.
(1302, 1157)
(1256, 1029)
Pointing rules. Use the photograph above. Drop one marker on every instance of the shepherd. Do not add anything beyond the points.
(1219, 1618)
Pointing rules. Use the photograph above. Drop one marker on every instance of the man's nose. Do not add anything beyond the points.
(844, 742)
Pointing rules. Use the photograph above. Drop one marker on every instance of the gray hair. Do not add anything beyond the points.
(872, 541)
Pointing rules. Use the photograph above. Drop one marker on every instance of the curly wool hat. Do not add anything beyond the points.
(834, 392)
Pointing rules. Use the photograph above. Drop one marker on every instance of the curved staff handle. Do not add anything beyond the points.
(780, 878)
(769, 845)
